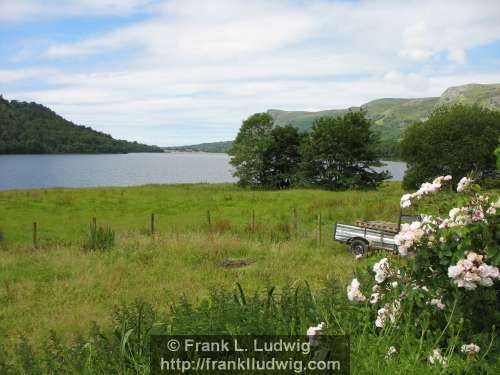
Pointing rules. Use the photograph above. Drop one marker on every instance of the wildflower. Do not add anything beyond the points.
(406, 200)
(437, 358)
(390, 352)
(470, 272)
(381, 317)
(382, 270)
(408, 236)
(314, 332)
(394, 284)
(464, 184)
(375, 297)
(438, 303)
(388, 313)
(470, 349)
(425, 188)
(353, 292)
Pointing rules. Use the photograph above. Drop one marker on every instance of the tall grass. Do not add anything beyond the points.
(124, 348)
(99, 238)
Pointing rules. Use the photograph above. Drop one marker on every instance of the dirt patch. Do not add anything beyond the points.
(237, 263)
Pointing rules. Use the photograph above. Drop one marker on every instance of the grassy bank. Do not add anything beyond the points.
(60, 286)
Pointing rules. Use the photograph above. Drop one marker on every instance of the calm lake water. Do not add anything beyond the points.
(42, 171)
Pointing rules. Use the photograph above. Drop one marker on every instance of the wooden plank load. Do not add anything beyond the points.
(379, 225)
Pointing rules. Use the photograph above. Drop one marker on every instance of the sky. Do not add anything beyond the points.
(178, 72)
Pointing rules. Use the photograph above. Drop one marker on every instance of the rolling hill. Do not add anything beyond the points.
(31, 128)
(390, 115)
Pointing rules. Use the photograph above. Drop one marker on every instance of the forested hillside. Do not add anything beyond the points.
(222, 147)
(31, 128)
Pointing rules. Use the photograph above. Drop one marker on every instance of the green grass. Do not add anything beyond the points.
(62, 286)
(51, 295)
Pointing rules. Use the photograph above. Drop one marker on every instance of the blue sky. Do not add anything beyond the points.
(187, 71)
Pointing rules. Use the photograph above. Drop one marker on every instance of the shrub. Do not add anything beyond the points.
(99, 238)
(446, 280)
(454, 140)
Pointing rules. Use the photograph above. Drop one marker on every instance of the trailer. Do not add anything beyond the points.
(366, 235)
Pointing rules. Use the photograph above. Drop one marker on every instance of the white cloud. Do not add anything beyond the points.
(212, 63)
(19, 10)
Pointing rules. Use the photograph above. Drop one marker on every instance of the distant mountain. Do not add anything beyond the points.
(203, 147)
(390, 116)
(31, 128)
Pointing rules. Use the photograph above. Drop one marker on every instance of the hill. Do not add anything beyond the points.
(31, 128)
(203, 147)
(391, 115)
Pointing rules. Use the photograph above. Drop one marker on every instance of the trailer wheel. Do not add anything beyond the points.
(358, 247)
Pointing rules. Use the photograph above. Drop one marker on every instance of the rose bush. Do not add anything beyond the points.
(444, 280)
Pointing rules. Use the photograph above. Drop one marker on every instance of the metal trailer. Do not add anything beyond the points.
(361, 239)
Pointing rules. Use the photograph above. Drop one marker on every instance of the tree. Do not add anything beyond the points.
(339, 152)
(281, 157)
(248, 149)
(264, 155)
(455, 140)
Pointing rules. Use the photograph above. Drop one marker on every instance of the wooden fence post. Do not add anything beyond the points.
(152, 224)
(35, 239)
(319, 230)
(209, 220)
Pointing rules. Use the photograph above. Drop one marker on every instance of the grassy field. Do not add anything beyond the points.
(60, 286)
(51, 294)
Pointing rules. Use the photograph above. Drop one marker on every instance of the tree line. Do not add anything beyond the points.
(31, 128)
(340, 152)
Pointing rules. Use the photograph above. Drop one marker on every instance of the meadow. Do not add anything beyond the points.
(58, 298)
(67, 287)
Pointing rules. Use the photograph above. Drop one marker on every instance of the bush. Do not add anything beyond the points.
(454, 140)
(446, 280)
(99, 238)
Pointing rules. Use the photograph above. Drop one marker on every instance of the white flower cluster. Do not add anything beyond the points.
(388, 313)
(314, 332)
(464, 184)
(392, 350)
(353, 292)
(425, 188)
(492, 210)
(382, 270)
(407, 236)
(437, 358)
(470, 272)
(376, 294)
(438, 303)
(470, 348)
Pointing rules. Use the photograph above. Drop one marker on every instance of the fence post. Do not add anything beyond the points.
(294, 220)
(35, 239)
(319, 230)
(209, 220)
(152, 224)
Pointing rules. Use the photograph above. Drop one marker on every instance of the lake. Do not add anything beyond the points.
(43, 171)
